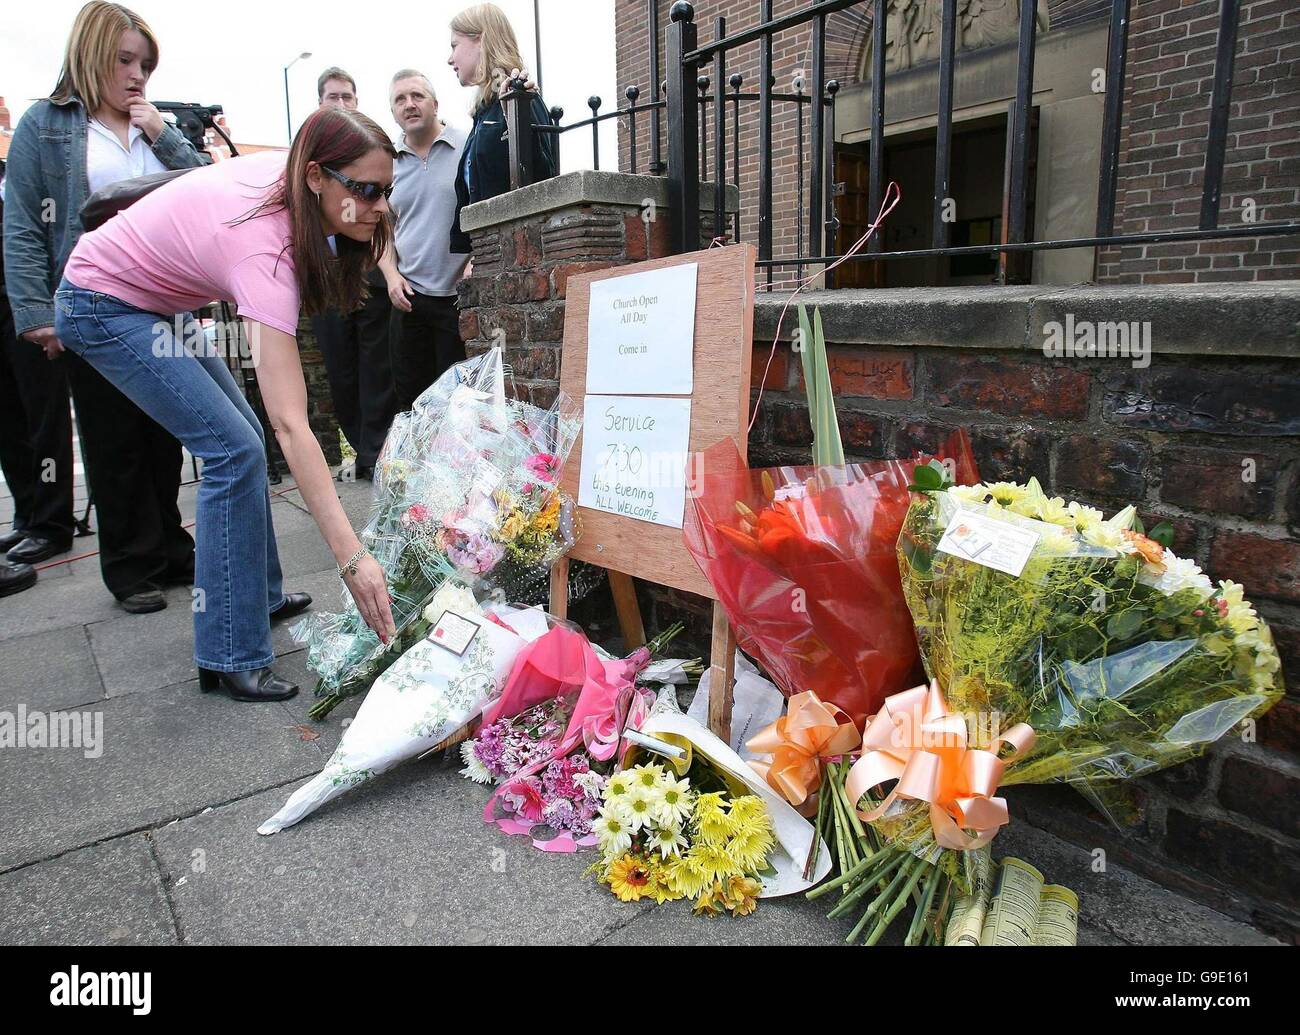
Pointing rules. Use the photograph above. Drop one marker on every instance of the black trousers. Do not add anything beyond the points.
(133, 467)
(35, 435)
(428, 343)
(356, 351)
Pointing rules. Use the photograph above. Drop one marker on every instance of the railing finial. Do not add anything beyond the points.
(682, 12)
(632, 93)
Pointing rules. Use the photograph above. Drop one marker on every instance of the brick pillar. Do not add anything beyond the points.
(320, 404)
(527, 244)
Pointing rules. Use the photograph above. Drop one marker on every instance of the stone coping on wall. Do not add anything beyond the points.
(1259, 319)
(575, 189)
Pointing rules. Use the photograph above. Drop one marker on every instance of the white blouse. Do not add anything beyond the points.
(107, 161)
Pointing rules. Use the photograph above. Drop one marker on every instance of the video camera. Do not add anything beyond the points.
(194, 120)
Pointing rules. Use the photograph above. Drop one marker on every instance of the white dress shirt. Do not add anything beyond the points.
(107, 161)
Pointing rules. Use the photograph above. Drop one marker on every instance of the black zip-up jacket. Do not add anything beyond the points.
(487, 155)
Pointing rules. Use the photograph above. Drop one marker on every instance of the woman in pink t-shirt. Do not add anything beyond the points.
(253, 231)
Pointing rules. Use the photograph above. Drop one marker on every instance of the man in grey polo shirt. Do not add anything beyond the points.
(423, 274)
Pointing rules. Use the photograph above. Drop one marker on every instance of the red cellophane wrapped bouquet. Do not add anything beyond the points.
(804, 561)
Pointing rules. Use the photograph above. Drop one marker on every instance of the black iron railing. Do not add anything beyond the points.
(698, 110)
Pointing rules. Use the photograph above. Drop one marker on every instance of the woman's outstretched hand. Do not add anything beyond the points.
(370, 591)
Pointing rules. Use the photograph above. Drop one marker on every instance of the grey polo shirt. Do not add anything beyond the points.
(424, 200)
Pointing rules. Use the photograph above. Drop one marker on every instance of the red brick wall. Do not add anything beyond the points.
(1163, 142)
(1171, 50)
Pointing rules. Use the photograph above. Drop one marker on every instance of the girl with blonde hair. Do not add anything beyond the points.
(485, 54)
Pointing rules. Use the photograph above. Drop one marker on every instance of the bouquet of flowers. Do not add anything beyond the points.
(550, 760)
(802, 558)
(668, 839)
(466, 488)
(421, 702)
(688, 818)
(1061, 646)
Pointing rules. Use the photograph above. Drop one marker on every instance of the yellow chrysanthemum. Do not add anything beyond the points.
(711, 818)
(715, 861)
(663, 888)
(629, 879)
(685, 876)
(748, 849)
(1006, 493)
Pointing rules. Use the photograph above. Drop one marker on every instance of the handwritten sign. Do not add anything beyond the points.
(641, 333)
(634, 453)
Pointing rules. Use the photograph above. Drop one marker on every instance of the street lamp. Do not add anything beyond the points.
(288, 116)
(537, 37)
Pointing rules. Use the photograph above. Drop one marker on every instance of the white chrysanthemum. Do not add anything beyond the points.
(613, 830)
(474, 769)
(675, 802)
(617, 788)
(668, 841)
(1084, 517)
(1103, 534)
(1179, 574)
(642, 807)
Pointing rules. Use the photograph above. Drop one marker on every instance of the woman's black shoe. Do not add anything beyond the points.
(294, 604)
(256, 686)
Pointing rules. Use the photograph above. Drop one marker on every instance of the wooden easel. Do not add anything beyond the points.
(627, 548)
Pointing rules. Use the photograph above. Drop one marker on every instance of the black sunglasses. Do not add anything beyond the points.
(367, 192)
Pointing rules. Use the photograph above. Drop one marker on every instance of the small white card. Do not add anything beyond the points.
(641, 333)
(634, 453)
(995, 544)
(455, 632)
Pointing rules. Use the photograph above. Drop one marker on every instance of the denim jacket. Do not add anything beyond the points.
(45, 187)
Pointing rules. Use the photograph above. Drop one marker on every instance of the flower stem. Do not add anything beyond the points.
(932, 883)
(904, 896)
(869, 882)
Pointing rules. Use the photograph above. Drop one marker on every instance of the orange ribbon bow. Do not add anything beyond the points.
(798, 741)
(915, 740)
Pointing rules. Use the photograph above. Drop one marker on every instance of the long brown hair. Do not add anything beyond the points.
(500, 48)
(91, 55)
(327, 281)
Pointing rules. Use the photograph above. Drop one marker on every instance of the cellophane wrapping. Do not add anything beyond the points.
(1121, 656)
(466, 488)
(803, 561)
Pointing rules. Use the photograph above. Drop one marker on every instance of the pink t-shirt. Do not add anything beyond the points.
(181, 247)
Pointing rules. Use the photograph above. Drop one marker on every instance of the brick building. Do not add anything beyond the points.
(1163, 134)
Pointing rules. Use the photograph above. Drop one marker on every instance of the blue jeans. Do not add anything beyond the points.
(237, 579)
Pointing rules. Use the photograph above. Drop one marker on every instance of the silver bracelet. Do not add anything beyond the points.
(351, 567)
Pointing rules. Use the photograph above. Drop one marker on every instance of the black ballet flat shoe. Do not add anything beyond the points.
(294, 604)
(256, 687)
